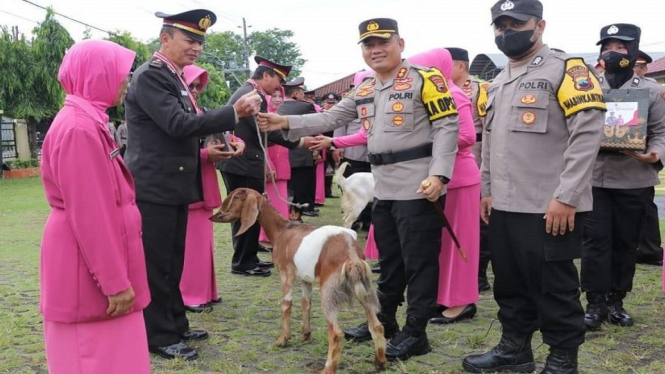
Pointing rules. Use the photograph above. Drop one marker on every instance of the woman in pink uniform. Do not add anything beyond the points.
(278, 166)
(458, 279)
(198, 284)
(92, 271)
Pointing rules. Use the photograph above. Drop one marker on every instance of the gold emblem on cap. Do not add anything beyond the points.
(612, 30)
(372, 26)
(205, 22)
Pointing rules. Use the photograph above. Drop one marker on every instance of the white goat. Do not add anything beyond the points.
(358, 191)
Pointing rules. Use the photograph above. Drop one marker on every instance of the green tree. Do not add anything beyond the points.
(225, 50)
(17, 74)
(276, 45)
(87, 33)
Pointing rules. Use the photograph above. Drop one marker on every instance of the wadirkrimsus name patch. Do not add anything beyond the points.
(436, 95)
(579, 89)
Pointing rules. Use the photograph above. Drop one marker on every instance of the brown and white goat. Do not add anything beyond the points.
(358, 191)
(330, 254)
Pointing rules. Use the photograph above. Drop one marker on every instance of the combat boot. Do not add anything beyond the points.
(596, 310)
(513, 353)
(361, 333)
(411, 341)
(561, 361)
(617, 314)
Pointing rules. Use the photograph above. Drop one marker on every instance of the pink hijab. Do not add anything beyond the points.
(91, 73)
(192, 72)
(269, 99)
(439, 58)
(360, 76)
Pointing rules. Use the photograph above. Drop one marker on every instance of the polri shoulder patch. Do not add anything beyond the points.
(579, 89)
(436, 95)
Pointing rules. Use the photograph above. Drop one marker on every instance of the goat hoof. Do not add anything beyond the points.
(282, 341)
(306, 336)
(380, 365)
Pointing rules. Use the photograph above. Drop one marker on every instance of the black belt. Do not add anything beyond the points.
(479, 137)
(414, 153)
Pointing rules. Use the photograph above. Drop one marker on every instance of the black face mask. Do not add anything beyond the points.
(616, 62)
(515, 43)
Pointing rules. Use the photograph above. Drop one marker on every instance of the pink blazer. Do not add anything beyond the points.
(92, 246)
(278, 157)
(212, 198)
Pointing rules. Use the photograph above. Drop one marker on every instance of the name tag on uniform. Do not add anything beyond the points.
(113, 154)
(183, 93)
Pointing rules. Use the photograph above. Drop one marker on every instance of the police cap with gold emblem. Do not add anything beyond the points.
(382, 28)
(281, 70)
(193, 23)
(521, 10)
(643, 58)
(620, 31)
(296, 83)
(459, 54)
(331, 98)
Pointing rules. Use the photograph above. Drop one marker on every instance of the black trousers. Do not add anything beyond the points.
(329, 178)
(485, 257)
(359, 167)
(303, 186)
(535, 280)
(611, 236)
(650, 243)
(245, 246)
(164, 230)
(408, 237)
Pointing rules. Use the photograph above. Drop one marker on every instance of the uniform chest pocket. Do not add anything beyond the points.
(529, 112)
(399, 116)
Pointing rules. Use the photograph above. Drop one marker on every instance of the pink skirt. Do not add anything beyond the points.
(320, 196)
(458, 280)
(371, 251)
(198, 285)
(119, 345)
(276, 202)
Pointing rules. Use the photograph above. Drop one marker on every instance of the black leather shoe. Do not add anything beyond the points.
(561, 361)
(194, 335)
(376, 269)
(172, 351)
(217, 301)
(594, 317)
(331, 196)
(483, 284)
(256, 272)
(649, 260)
(310, 214)
(263, 248)
(361, 332)
(202, 308)
(618, 316)
(467, 313)
(356, 226)
(513, 353)
(265, 264)
(404, 345)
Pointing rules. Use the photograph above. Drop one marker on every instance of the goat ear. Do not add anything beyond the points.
(250, 211)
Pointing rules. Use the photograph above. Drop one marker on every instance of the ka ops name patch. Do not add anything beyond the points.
(579, 89)
(436, 95)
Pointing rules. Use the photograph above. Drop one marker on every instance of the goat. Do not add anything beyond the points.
(330, 254)
(358, 191)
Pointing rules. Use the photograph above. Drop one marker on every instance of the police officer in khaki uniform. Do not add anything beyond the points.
(412, 127)
(622, 188)
(476, 91)
(542, 132)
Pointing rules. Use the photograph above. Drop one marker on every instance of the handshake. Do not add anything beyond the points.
(248, 104)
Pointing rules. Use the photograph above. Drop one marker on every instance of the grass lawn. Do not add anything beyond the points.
(244, 327)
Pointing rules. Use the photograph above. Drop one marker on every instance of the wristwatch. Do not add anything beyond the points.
(443, 179)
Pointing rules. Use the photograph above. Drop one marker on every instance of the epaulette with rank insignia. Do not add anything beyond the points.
(156, 63)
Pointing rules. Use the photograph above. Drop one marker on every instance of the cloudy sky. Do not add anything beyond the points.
(327, 31)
